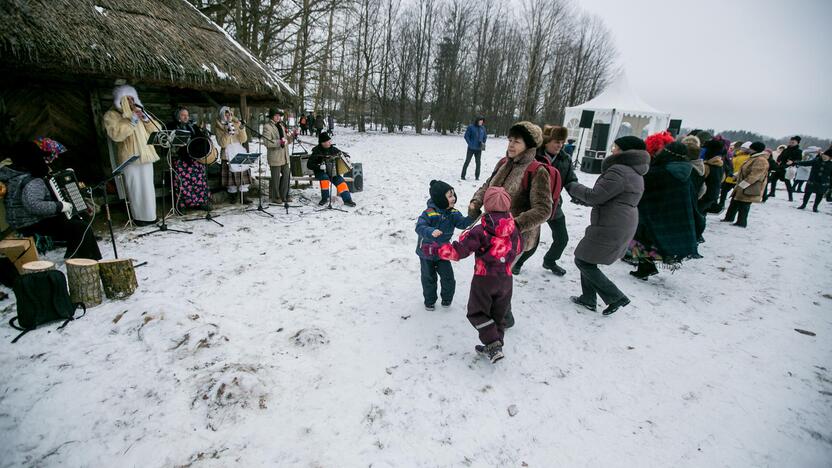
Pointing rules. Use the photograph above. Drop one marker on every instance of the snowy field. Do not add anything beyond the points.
(302, 341)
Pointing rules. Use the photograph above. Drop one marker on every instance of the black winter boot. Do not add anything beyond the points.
(645, 270)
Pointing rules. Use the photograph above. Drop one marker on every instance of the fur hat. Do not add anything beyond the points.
(692, 142)
(530, 133)
(125, 90)
(828, 151)
(630, 143)
(554, 132)
(795, 138)
(713, 147)
(496, 200)
(324, 136)
(438, 189)
(657, 141)
(757, 147)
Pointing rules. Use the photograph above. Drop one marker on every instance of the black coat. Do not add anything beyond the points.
(821, 175)
(563, 164)
(320, 155)
(791, 153)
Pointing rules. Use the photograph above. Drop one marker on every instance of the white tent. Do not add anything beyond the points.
(620, 107)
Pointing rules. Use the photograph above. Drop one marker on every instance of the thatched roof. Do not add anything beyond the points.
(164, 42)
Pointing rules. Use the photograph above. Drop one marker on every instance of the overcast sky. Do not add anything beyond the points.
(762, 65)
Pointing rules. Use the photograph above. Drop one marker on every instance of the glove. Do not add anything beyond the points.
(66, 207)
(447, 252)
(743, 185)
(483, 147)
(282, 142)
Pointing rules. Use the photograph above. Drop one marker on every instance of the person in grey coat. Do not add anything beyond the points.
(614, 200)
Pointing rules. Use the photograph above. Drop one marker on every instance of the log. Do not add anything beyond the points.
(38, 265)
(84, 281)
(118, 278)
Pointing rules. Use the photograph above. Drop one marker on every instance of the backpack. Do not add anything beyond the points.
(42, 297)
(555, 184)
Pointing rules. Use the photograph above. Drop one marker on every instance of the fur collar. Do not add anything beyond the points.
(639, 160)
(698, 166)
(715, 161)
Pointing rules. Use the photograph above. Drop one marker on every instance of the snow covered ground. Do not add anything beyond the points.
(302, 341)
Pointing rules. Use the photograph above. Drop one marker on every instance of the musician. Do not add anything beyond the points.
(321, 154)
(277, 138)
(231, 134)
(31, 208)
(190, 180)
(129, 126)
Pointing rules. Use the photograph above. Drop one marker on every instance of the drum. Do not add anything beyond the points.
(202, 150)
(343, 164)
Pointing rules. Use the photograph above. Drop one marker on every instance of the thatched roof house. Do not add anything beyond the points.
(155, 42)
(61, 59)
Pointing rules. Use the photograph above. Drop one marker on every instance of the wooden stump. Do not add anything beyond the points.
(38, 265)
(118, 278)
(84, 282)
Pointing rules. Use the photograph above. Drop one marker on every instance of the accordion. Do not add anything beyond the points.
(64, 186)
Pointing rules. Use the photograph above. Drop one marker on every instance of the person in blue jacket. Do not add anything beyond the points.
(436, 227)
(475, 136)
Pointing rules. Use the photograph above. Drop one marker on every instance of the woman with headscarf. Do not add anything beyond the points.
(614, 199)
(190, 182)
(129, 126)
(666, 230)
(32, 209)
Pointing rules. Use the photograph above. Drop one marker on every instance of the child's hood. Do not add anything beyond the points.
(498, 224)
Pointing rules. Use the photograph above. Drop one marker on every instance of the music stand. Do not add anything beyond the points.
(168, 139)
(330, 169)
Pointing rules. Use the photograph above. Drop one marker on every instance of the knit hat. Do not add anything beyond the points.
(703, 136)
(554, 132)
(693, 146)
(796, 138)
(324, 136)
(675, 150)
(657, 141)
(530, 133)
(496, 200)
(630, 143)
(746, 145)
(757, 147)
(713, 148)
(828, 151)
(438, 189)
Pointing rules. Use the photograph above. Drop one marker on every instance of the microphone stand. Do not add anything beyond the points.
(103, 185)
(259, 208)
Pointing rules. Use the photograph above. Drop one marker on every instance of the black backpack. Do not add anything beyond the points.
(42, 297)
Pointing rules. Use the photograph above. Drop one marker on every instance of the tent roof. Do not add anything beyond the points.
(619, 96)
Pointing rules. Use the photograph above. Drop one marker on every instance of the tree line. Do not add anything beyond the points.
(426, 64)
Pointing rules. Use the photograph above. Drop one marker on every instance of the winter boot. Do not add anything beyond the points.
(580, 302)
(611, 308)
(494, 351)
(430, 306)
(554, 268)
(645, 270)
(446, 303)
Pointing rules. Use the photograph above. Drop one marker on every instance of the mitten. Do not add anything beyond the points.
(447, 252)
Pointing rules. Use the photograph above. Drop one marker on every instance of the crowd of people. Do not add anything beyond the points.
(650, 207)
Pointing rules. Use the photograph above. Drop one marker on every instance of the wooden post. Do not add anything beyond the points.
(84, 282)
(118, 278)
(36, 266)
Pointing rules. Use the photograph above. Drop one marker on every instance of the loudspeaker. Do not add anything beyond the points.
(357, 173)
(600, 134)
(586, 119)
(591, 165)
(675, 126)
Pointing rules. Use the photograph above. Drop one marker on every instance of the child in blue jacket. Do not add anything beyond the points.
(436, 227)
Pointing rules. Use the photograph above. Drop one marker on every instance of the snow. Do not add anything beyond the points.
(302, 341)
(100, 10)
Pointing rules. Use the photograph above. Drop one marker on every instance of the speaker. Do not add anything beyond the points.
(586, 119)
(591, 165)
(357, 173)
(675, 126)
(600, 134)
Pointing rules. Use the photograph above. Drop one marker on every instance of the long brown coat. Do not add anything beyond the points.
(275, 154)
(614, 200)
(755, 172)
(530, 208)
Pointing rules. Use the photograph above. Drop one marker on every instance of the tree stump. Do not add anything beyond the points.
(84, 282)
(118, 278)
(38, 265)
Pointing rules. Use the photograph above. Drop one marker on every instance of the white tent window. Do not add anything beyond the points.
(617, 105)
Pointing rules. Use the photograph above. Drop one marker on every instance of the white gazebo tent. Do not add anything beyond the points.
(620, 107)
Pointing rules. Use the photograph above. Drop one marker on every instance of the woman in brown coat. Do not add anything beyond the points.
(614, 200)
(751, 183)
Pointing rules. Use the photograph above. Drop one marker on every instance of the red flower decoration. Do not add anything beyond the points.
(479, 267)
(500, 246)
(505, 227)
